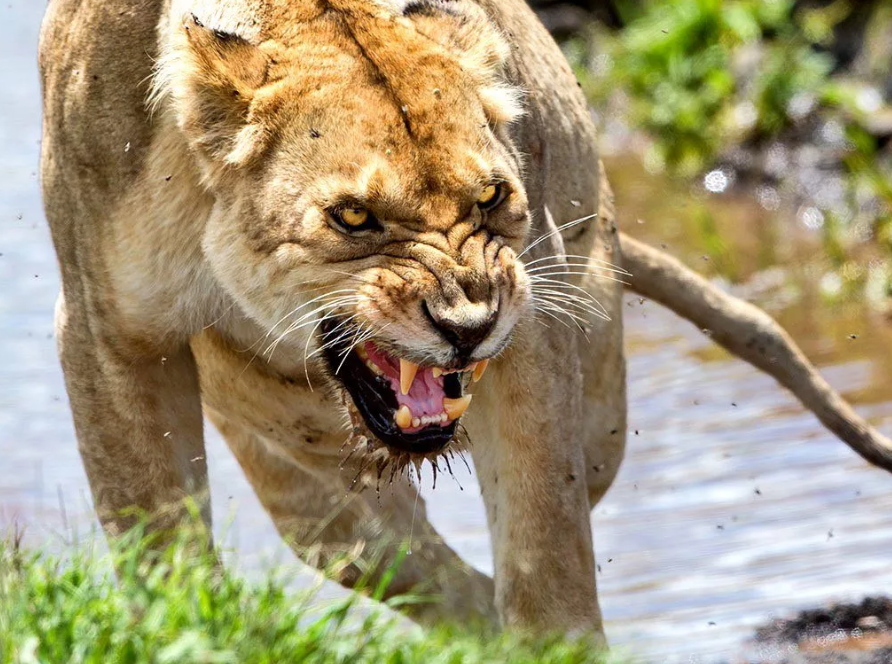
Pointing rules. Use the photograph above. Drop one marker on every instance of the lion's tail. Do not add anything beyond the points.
(752, 335)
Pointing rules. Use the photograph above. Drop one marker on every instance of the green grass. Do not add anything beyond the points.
(184, 608)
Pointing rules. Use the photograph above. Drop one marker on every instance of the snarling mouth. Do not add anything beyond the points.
(408, 407)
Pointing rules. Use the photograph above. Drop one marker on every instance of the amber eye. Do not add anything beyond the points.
(352, 219)
(490, 196)
(355, 217)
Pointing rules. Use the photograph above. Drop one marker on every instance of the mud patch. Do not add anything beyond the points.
(839, 634)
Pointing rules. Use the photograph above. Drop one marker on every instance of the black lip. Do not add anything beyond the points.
(376, 402)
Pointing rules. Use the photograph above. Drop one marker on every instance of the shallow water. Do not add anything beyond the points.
(733, 504)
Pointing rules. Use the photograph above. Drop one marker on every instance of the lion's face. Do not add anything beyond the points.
(370, 205)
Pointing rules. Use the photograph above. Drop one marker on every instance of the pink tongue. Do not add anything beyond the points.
(426, 395)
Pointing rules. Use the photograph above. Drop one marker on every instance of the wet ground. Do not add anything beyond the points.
(734, 506)
(845, 633)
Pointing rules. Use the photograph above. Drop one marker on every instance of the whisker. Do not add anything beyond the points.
(292, 312)
(590, 305)
(328, 344)
(300, 323)
(551, 315)
(332, 304)
(576, 273)
(221, 317)
(559, 296)
(306, 304)
(346, 353)
(337, 340)
(587, 260)
(552, 307)
(554, 232)
(309, 302)
(337, 301)
(563, 284)
(585, 266)
(581, 309)
(359, 339)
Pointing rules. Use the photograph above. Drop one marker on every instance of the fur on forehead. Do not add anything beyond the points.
(228, 77)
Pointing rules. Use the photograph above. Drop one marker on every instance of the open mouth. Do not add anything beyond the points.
(408, 407)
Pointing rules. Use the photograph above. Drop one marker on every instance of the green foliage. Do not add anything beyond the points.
(699, 77)
(184, 608)
(789, 70)
(676, 63)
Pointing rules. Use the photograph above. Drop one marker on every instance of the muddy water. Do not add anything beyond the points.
(733, 504)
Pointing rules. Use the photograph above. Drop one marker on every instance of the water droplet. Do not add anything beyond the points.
(869, 100)
(716, 181)
(812, 217)
(768, 198)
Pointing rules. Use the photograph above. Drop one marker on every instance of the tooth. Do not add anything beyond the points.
(407, 375)
(416, 422)
(479, 370)
(443, 417)
(437, 371)
(362, 352)
(455, 408)
(403, 417)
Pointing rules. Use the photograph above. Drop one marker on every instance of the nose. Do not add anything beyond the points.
(463, 335)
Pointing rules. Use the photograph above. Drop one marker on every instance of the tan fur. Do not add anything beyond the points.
(191, 148)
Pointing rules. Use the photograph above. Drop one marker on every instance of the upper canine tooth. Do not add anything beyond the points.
(479, 370)
(362, 352)
(407, 375)
(455, 408)
(437, 371)
(403, 417)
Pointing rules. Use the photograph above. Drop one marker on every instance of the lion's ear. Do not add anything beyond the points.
(480, 47)
(213, 78)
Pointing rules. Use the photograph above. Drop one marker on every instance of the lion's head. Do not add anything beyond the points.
(370, 207)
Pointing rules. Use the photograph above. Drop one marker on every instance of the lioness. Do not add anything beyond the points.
(342, 219)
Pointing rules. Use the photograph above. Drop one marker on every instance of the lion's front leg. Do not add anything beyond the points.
(138, 422)
(528, 451)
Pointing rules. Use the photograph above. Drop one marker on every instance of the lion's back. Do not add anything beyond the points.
(95, 58)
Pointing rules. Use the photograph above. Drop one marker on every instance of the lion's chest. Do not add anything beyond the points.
(294, 411)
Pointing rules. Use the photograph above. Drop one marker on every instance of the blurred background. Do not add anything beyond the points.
(749, 138)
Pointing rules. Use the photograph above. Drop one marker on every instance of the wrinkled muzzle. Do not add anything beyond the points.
(408, 357)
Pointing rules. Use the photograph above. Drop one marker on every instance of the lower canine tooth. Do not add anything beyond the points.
(403, 417)
(479, 370)
(455, 408)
